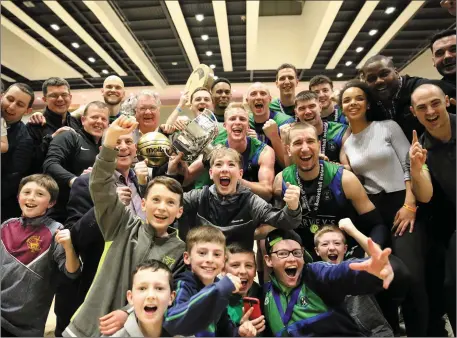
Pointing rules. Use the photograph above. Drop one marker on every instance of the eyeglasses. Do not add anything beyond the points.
(283, 254)
(143, 110)
(55, 96)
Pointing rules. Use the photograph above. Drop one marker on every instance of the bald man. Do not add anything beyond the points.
(437, 149)
(113, 94)
(264, 121)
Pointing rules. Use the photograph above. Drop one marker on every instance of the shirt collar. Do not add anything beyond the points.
(131, 176)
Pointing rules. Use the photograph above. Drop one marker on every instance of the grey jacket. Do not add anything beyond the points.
(30, 261)
(133, 241)
(237, 215)
(132, 329)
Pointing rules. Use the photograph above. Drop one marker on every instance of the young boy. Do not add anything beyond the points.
(330, 246)
(241, 263)
(151, 295)
(132, 239)
(232, 207)
(33, 248)
(201, 298)
(304, 300)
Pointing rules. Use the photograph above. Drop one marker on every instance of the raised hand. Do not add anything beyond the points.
(123, 125)
(347, 226)
(236, 282)
(142, 172)
(417, 155)
(378, 264)
(270, 128)
(63, 237)
(292, 196)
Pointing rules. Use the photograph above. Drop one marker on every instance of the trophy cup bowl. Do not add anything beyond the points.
(197, 137)
(154, 147)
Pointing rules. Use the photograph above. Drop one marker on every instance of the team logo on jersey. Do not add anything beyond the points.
(168, 261)
(327, 195)
(303, 301)
(267, 300)
(331, 145)
(33, 243)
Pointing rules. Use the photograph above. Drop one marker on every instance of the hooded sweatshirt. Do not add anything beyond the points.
(30, 260)
(133, 241)
(237, 215)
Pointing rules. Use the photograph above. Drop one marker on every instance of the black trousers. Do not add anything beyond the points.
(410, 249)
(67, 301)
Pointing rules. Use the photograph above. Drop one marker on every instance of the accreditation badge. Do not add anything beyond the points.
(313, 228)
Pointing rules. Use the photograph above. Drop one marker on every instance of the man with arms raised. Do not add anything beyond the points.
(323, 87)
(286, 81)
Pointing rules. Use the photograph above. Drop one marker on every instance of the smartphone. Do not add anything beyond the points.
(249, 302)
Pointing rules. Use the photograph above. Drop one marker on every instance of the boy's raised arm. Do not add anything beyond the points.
(110, 212)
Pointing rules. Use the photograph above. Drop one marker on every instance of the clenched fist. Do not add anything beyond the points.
(270, 128)
(142, 172)
(63, 238)
(292, 196)
(125, 194)
(236, 282)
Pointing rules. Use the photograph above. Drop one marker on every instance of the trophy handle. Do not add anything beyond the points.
(166, 152)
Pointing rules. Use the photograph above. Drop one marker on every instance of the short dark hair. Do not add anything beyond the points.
(26, 89)
(98, 104)
(56, 82)
(219, 80)
(377, 58)
(371, 108)
(44, 181)
(306, 95)
(171, 185)
(285, 66)
(236, 248)
(204, 234)
(197, 90)
(440, 35)
(154, 265)
(318, 80)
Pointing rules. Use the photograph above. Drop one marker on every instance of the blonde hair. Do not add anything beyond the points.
(326, 229)
(224, 151)
(204, 234)
(299, 126)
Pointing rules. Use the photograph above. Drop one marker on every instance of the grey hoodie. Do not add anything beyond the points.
(133, 241)
(237, 215)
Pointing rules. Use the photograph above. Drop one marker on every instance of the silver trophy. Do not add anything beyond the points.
(196, 139)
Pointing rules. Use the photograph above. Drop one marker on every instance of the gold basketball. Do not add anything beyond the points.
(202, 76)
(154, 147)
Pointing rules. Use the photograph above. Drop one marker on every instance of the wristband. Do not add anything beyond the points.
(410, 208)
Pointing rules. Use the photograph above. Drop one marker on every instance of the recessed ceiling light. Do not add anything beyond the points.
(373, 32)
(29, 4)
(212, 66)
(216, 77)
(348, 63)
(359, 49)
(199, 17)
(390, 10)
(75, 44)
(104, 71)
(234, 90)
(91, 59)
(205, 37)
(339, 75)
(55, 27)
(174, 63)
(209, 53)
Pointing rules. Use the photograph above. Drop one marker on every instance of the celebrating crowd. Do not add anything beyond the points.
(320, 213)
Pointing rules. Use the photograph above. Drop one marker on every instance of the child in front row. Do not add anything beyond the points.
(151, 295)
(330, 246)
(33, 248)
(308, 299)
(200, 307)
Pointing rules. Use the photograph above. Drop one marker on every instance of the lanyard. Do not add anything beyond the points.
(324, 139)
(285, 317)
(392, 113)
(335, 111)
(304, 198)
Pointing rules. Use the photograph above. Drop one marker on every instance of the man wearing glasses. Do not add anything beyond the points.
(147, 113)
(56, 94)
(308, 299)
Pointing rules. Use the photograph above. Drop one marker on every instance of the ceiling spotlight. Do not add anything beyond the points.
(339, 75)
(205, 37)
(212, 66)
(55, 27)
(75, 44)
(209, 53)
(104, 71)
(348, 63)
(174, 63)
(372, 32)
(390, 10)
(91, 59)
(234, 90)
(215, 77)
(359, 49)
(199, 17)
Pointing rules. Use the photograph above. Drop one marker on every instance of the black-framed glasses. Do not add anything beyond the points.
(55, 96)
(282, 254)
